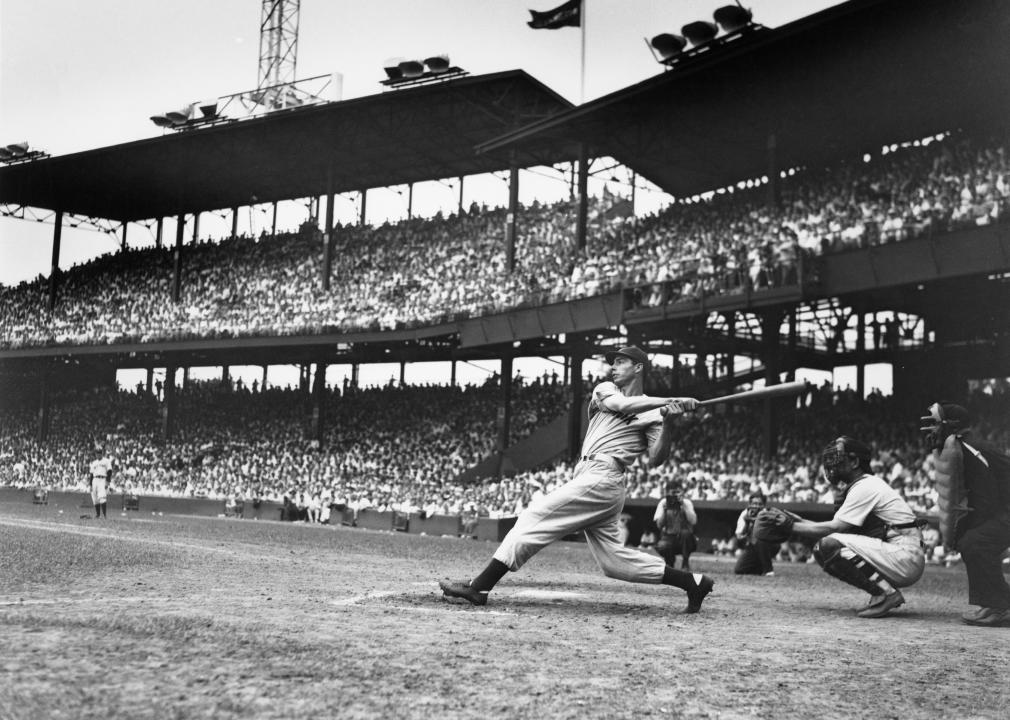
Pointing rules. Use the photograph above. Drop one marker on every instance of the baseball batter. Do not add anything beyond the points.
(873, 542)
(623, 423)
(100, 470)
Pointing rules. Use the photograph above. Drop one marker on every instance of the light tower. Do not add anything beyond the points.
(278, 52)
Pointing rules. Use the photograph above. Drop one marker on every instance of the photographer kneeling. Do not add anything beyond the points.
(675, 517)
(755, 556)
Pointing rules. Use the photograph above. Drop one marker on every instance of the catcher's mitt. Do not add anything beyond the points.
(774, 525)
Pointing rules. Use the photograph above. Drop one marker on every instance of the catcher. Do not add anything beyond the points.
(873, 542)
(973, 499)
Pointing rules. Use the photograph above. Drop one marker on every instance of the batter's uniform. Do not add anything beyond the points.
(592, 501)
(888, 539)
(100, 470)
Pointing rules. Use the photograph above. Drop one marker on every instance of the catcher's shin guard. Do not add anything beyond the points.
(854, 571)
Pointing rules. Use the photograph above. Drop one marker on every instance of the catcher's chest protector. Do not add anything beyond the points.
(950, 500)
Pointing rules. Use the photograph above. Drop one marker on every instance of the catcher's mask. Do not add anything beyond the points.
(943, 419)
(837, 457)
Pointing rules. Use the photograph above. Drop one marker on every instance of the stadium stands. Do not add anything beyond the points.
(423, 271)
(400, 448)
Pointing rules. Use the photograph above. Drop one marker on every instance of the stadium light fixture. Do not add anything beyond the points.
(437, 64)
(19, 152)
(411, 69)
(392, 68)
(668, 45)
(699, 32)
(208, 109)
(182, 115)
(401, 72)
(732, 18)
(703, 36)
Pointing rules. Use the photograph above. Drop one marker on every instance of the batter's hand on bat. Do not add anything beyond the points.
(678, 406)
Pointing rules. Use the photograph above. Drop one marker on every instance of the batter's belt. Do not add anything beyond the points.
(600, 457)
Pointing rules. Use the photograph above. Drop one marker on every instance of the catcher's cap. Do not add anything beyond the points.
(944, 412)
(632, 352)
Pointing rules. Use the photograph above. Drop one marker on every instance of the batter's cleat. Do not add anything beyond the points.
(463, 591)
(986, 617)
(696, 595)
(881, 605)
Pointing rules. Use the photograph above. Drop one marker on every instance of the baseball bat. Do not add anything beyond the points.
(772, 391)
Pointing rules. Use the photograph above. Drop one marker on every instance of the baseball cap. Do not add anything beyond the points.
(955, 416)
(632, 352)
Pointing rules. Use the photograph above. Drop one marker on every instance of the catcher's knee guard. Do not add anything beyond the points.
(855, 571)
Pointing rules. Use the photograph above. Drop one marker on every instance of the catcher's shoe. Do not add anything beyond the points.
(463, 591)
(881, 605)
(700, 591)
(986, 617)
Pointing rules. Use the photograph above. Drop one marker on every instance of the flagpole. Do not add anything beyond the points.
(582, 62)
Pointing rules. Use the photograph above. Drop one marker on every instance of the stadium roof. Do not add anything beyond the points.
(395, 137)
(848, 79)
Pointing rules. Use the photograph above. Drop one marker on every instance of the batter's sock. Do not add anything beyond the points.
(98, 511)
(490, 576)
(680, 578)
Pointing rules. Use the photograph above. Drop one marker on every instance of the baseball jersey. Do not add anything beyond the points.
(622, 436)
(869, 495)
(100, 468)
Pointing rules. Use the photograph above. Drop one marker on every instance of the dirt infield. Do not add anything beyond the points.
(172, 617)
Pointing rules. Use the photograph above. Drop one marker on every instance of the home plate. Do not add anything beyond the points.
(549, 594)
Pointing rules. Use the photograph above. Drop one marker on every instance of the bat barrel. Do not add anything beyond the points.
(772, 391)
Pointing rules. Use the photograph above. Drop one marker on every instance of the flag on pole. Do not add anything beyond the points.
(566, 15)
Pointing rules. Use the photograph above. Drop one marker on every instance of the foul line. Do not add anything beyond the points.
(108, 534)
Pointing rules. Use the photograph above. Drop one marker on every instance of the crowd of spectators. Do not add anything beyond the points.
(402, 448)
(381, 447)
(423, 271)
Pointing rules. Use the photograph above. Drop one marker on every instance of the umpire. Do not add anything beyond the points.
(973, 488)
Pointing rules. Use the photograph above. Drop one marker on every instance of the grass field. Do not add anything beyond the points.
(179, 617)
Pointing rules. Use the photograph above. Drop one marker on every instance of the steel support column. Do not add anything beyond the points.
(168, 406)
(575, 413)
(582, 219)
(327, 268)
(180, 229)
(319, 403)
(511, 217)
(54, 265)
(771, 323)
